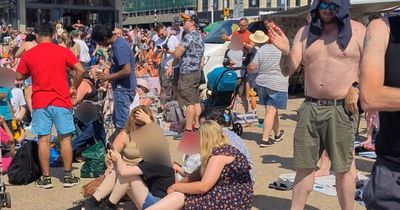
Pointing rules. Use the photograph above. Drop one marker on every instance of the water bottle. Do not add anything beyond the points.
(227, 119)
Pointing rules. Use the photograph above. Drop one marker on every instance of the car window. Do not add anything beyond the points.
(224, 28)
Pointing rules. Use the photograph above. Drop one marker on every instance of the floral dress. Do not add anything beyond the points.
(234, 188)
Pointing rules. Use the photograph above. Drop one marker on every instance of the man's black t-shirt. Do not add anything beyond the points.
(157, 177)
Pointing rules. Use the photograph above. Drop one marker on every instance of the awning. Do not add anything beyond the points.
(359, 8)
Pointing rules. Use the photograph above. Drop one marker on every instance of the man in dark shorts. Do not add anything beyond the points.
(379, 86)
(190, 55)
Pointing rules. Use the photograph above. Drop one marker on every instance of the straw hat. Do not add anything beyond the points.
(143, 83)
(237, 43)
(259, 37)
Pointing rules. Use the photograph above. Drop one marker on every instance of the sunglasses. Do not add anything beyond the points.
(324, 6)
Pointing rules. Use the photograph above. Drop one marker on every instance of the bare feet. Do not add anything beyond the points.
(322, 172)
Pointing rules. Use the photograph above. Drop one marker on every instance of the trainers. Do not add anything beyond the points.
(280, 136)
(44, 182)
(70, 181)
(264, 143)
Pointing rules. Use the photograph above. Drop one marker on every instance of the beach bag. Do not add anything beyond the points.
(25, 167)
(173, 112)
(94, 165)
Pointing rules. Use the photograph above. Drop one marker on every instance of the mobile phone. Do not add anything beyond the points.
(109, 146)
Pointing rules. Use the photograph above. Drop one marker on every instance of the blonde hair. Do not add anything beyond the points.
(211, 136)
(133, 123)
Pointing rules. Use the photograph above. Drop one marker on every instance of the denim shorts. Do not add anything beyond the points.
(150, 200)
(44, 119)
(28, 82)
(271, 97)
(123, 98)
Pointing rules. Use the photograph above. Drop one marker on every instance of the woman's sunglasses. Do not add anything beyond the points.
(324, 6)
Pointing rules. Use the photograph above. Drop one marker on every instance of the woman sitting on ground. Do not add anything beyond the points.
(126, 145)
(147, 182)
(224, 179)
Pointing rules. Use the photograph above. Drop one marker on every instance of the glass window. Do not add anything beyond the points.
(254, 3)
(224, 28)
(32, 17)
(205, 5)
(269, 3)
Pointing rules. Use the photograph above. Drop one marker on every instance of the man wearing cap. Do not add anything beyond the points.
(190, 55)
(176, 29)
(330, 50)
(271, 85)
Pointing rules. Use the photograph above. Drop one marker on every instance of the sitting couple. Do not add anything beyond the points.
(141, 168)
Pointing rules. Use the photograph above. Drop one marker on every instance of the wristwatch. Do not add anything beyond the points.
(355, 84)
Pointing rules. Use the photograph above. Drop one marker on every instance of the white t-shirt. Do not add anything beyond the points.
(173, 42)
(17, 100)
(84, 52)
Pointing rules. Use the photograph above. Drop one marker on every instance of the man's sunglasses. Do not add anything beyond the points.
(324, 6)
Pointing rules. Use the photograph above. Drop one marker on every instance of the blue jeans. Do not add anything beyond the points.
(271, 97)
(150, 200)
(122, 100)
(89, 132)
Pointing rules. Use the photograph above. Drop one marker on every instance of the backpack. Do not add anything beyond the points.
(25, 167)
(173, 112)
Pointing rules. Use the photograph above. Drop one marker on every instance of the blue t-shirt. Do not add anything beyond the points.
(4, 106)
(120, 55)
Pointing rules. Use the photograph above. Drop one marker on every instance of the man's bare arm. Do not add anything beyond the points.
(78, 68)
(374, 95)
(291, 58)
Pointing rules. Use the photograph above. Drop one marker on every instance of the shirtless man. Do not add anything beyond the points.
(331, 58)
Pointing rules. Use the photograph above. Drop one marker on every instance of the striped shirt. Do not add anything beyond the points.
(269, 73)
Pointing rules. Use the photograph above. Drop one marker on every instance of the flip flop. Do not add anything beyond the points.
(281, 185)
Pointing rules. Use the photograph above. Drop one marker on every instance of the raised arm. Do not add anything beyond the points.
(375, 96)
(291, 58)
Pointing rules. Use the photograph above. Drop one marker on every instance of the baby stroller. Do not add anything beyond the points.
(222, 82)
(5, 197)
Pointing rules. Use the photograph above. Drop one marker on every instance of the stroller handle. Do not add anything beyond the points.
(238, 68)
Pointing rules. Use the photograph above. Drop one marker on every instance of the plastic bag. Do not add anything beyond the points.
(94, 165)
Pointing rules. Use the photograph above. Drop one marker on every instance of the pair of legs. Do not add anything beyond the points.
(304, 183)
(271, 122)
(44, 152)
(192, 114)
(325, 165)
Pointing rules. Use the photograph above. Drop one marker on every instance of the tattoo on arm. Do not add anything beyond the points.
(287, 65)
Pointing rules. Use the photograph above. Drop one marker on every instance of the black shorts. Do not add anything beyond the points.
(188, 88)
(382, 191)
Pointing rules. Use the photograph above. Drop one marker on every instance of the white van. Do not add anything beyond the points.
(215, 46)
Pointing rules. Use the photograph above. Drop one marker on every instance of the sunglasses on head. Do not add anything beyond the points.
(324, 6)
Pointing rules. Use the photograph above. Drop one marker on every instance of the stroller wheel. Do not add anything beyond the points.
(8, 199)
(238, 129)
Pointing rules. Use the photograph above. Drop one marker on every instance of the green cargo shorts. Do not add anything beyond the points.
(324, 127)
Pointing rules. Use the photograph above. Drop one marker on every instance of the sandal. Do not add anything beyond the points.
(279, 137)
(281, 184)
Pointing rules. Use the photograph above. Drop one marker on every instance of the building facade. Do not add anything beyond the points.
(137, 12)
(32, 12)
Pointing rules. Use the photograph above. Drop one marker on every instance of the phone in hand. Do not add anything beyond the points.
(109, 146)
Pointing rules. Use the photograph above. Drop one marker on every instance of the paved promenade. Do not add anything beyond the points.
(269, 163)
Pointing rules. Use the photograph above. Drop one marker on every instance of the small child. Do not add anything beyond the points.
(190, 146)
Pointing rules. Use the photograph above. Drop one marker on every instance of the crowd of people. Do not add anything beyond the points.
(65, 75)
